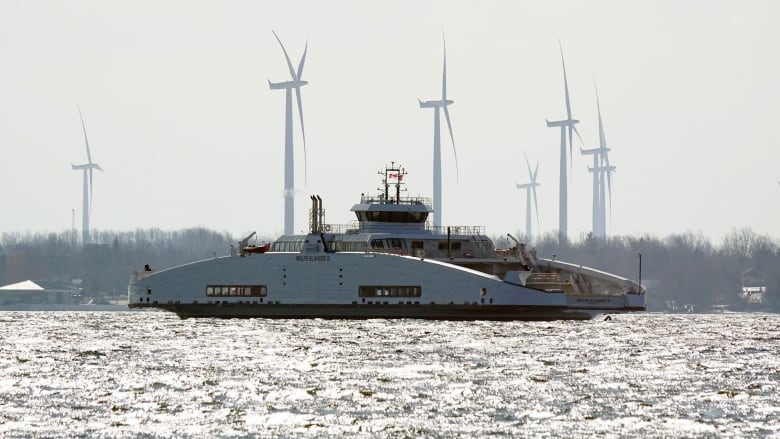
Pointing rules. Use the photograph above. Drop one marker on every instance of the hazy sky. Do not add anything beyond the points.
(179, 114)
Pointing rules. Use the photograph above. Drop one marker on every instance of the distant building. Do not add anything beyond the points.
(753, 287)
(39, 292)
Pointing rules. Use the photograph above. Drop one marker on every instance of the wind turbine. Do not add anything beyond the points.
(87, 169)
(289, 162)
(529, 189)
(606, 170)
(597, 154)
(600, 169)
(436, 105)
(564, 124)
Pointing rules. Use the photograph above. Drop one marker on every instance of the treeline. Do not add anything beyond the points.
(681, 271)
(104, 269)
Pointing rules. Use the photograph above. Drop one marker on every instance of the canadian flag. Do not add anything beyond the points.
(395, 177)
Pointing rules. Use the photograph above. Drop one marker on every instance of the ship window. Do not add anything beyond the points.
(349, 246)
(454, 245)
(393, 217)
(417, 245)
(237, 290)
(377, 243)
(287, 246)
(259, 290)
(389, 291)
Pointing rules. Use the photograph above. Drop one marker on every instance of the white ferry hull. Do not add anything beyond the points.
(329, 285)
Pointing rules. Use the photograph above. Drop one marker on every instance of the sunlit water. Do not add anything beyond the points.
(122, 374)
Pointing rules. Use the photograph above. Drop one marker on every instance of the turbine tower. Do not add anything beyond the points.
(289, 162)
(436, 105)
(530, 188)
(565, 125)
(87, 168)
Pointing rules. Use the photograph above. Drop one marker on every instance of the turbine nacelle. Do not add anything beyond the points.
(527, 185)
(286, 84)
(562, 123)
(435, 104)
(594, 151)
(86, 166)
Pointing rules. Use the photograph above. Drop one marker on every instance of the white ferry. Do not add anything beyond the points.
(388, 264)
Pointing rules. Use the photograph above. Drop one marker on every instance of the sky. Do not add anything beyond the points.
(181, 119)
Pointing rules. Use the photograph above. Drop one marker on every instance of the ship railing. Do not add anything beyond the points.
(388, 251)
(545, 278)
(334, 228)
(547, 281)
(368, 199)
(457, 230)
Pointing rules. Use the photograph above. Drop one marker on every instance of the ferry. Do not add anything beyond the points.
(390, 263)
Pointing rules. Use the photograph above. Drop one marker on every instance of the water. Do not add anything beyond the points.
(129, 374)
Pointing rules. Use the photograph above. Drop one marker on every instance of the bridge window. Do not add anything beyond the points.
(392, 217)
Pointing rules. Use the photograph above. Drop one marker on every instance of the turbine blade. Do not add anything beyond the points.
(86, 141)
(303, 59)
(449, 125)
(528, 164)
(536, 207)
(303, 133)
(289, 63)
(602, 138)
(582, 142)
(444, 75)
(536, 171)
(565, 84)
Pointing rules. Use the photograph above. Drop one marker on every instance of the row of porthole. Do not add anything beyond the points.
(240, 302)
(371, 302)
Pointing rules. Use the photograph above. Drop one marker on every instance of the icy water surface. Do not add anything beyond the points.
(149, 374)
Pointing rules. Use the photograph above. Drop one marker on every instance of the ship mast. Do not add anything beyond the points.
(395, 173)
